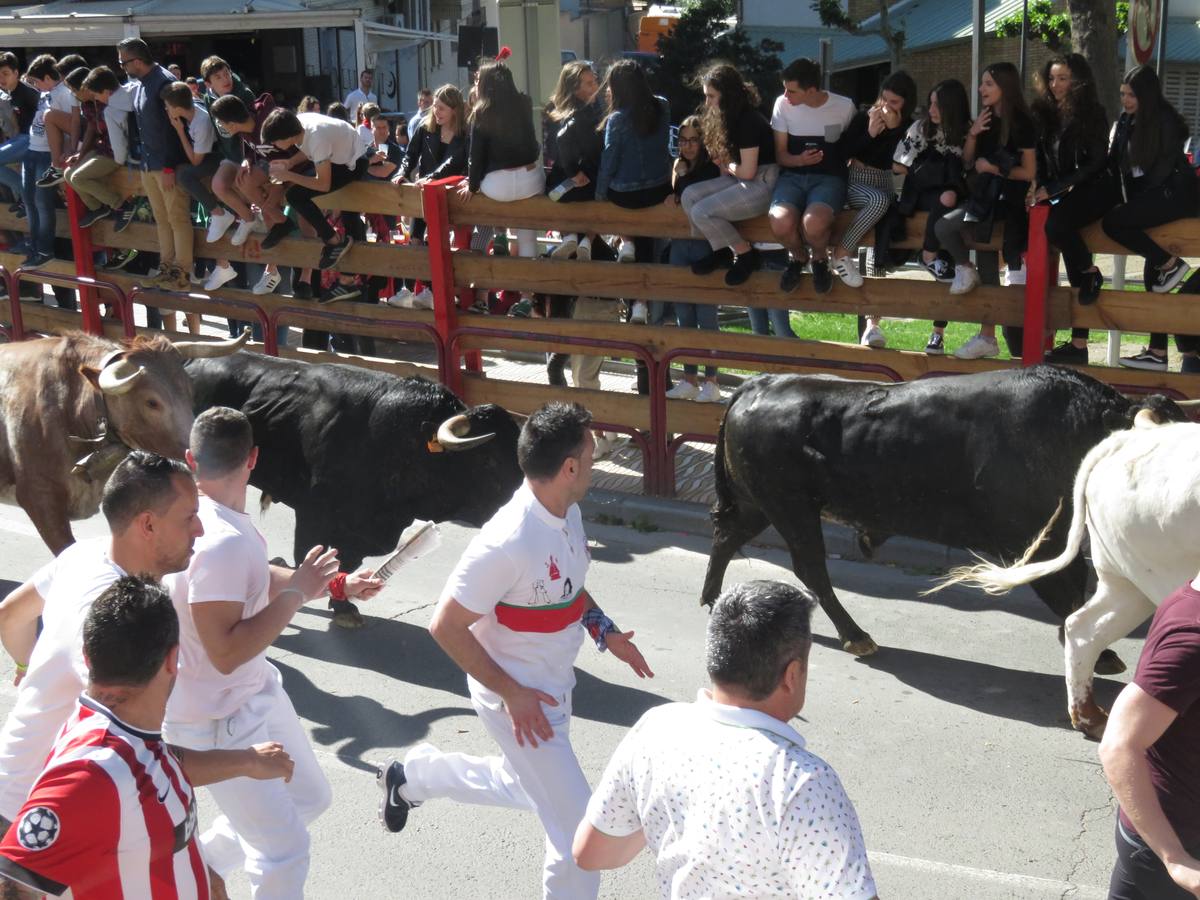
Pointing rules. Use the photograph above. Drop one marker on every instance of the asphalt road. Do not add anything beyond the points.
(952, 741)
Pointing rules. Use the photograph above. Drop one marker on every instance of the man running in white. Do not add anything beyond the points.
(150, 505)
(232, 605)
(513, 615)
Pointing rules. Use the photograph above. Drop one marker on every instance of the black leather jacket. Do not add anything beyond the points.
(1079, 157)
(427, 157)
(579, 143)
(1171, 160)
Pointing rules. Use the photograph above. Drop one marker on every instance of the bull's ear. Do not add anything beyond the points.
(91, 374)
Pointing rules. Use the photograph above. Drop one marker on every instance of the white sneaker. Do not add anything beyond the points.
(267, 284)
(1014, 276)
(966, 279)
(402, 299)
(874, 337)
(423, 300)
(218, 276)
(219, 223)
(684, 390)
(709, 393)
(197, 279)
(568, 248)
(639, 312)
(978, 347)
(609, 443)
(584, 250)
(242, 233)
(627, 253)
(847, 270)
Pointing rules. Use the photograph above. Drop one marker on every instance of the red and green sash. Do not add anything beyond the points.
(542, 619)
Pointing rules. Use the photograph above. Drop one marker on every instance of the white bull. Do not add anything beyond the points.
(1138, 493)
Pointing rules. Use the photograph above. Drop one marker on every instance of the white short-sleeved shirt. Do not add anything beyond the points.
(229, 564)
(732, 805)
(524, 573)
(357, 98)
(327, 138)
(61, 99)
(201, 131)
(57, 674)
(808, 125)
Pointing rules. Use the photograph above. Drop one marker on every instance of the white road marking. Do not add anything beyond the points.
(991, 876)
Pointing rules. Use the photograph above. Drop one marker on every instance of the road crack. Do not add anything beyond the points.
(1086, 819)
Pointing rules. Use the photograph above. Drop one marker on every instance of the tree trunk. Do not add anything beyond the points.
(1094, 35)
(894, 43)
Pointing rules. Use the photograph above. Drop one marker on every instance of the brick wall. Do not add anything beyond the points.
(928, 67)
(862, 9)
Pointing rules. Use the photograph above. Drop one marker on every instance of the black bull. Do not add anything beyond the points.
(974, 461)
(349, 449)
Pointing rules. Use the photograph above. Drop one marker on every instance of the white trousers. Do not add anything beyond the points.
(546, 780)
(517, 184)
(263, 826)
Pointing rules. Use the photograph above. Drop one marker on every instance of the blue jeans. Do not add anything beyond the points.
(39, 202)
(693, 315)
(778, 319)
(13, 152)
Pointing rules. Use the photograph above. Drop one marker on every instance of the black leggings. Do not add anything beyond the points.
(930, 201)
(300, 199)
(1077, 209)
(641, 199)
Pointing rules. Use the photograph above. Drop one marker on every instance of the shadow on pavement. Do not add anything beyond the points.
(1032, 697)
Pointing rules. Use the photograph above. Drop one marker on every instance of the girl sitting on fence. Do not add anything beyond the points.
(1073, 179)
(574, 114)
(1154, 186)
(930, 156)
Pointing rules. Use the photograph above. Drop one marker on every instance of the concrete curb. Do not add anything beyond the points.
(841, 542)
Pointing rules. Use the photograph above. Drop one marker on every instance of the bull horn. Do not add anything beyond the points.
(451, 434)
(1187, 404)
(118, 378)
(212, 349)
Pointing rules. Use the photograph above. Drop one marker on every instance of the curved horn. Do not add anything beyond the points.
(212, 349)
(118, 378)
(450, 434)
(1187, 404)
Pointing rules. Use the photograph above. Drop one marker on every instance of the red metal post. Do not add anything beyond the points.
(1037, 287)
(437, 238)
(81, 241)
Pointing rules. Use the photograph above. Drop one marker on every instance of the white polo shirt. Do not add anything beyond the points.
(68, 585)
(732, 805)
(524, 573)
(229, 564)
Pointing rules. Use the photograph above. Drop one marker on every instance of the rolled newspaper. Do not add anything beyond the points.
(418, 539)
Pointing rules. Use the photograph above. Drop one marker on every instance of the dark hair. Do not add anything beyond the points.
(366, 72)
(736, 96)
(101, 79)
(1145, 144)
(76, 77)
(755, 631)
(631, 94)
(954, 109)
(550, 436)
(128, 632)
(697, 124)
(425, 92)
(142, 481)
(230, 108)
(805, 72)
(1012, 97)
(43, 66)
(337, 110)
(280, 125)
(211, 66)
(191, 81)
(221, 441)
(178, 95)
(70, 63)
(1080, 112)
(137, 48)
(8, 60)
(499, 103)
(902, 85)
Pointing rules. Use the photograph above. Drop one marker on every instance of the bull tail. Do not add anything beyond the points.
(725, 499)
(997, 579)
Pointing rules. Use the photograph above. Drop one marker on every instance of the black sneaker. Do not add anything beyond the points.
(940, 270)
(120, 259)
(331, 253)
(124, 214)
(1165, 280)
(301, 290)
(92, 216)
(822, 277)
(746, 264)
(37, 259)
(278, 233)
(936, 345)
(393, 809)
(1146, 360)
(718, 259)
(337, 292)
(50, 178)
(18, 210)
(13, 207)
(1067, 354)
(790, 279)
(1089, 288)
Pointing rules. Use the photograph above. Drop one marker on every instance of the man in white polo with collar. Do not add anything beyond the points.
(513, 616)
(722, 790)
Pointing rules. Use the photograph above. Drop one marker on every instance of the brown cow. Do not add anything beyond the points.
(72, 406)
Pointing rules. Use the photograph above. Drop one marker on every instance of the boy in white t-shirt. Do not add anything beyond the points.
(808, 123)
(39, 193)
(60, 119)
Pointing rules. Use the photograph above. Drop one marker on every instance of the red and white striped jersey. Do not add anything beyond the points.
(111, 817)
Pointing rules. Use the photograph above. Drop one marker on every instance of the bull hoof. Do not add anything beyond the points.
(1091, 721)
(346, 615)
(1109, 664)
(864, 646)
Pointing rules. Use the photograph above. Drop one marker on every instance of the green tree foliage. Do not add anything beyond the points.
(1052, 27)
(833, 16)
(701, 36)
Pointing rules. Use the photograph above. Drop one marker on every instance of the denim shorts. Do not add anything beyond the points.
(802, 190)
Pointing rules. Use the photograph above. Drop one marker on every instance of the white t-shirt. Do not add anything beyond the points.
(805, 125)
(229, 564)
(68, 584)
(524, 574)
(732, 805)
(116, 116)
(61, 99)
(201, 130)
(327, 138)
(357, 98)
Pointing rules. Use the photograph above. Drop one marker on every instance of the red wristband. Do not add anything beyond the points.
(168, 171)
(337, 586)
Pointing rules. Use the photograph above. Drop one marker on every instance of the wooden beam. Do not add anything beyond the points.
(523, 398)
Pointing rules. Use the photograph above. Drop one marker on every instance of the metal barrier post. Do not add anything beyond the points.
(81, 241)
(437, 238)
(1037, 287)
